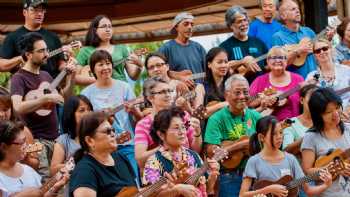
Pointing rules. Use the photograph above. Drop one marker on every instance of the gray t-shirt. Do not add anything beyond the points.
(188, 57)
(69, 145)
(260, 169)
(320, 145)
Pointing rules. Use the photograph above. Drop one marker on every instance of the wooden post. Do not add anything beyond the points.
(316, 14)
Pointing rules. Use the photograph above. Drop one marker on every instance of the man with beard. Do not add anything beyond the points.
(10, 55)
(292, 33)
(263, 27)
(241, 48)
(181, 52)
(44, 128)
(229, 124)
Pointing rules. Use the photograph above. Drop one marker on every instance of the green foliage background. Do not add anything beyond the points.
(151, 46)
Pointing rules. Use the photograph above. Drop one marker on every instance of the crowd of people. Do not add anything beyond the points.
(264, 113)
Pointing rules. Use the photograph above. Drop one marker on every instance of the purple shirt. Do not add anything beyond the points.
(45, 127)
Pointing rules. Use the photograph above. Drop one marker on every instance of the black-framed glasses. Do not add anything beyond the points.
(318, 51)
(163, 92)
(108, 131)
(37, 10)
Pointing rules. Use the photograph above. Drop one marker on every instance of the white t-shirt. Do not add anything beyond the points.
(29, 178)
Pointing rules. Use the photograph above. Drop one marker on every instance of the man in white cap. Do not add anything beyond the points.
(181, 52)
(34, 14)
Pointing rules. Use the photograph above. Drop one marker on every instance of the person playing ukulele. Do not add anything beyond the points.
(269, 163)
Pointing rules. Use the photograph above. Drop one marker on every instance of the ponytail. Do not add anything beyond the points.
(254, 144)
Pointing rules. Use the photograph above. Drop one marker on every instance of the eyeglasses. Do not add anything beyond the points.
(37, 10)
(158, 66)
(318, 51)
(179, 128)
(276, 58)
(43, 50)
(108, 131)
(105, 26)
(163, 92)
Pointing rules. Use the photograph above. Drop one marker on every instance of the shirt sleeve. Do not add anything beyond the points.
(17, 86)
(250, 168)
(297, 171)
(141, 134)
(213, 131)
(129, 93)
(83, 176)
(152, 171)
(83, 56)
(254, 87)
(8, 48)
(308, 142)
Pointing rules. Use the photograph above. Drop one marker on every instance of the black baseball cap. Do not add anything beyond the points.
(34, 3)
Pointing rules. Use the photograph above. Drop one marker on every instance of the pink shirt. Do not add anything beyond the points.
(291, 109)
(143, 129)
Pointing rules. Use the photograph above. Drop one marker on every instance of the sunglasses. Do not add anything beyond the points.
(318, 51)
(108, 131)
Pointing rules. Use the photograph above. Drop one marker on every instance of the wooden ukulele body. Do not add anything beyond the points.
(325, 160)
(234, 157)
(44, 88)
(282, 181)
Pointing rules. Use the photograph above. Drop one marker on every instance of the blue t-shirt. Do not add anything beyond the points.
(184, 57)
(285, 36)
(264, 31)
(102, 98)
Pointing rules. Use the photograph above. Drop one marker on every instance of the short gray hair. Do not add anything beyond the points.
(234, 77)
(231, 12)
(276, 2)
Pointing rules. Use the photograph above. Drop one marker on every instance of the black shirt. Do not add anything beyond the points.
(105, 180)
(237, 50)
(10, 48)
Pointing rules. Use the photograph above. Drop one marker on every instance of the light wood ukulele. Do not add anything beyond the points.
(235, 157)
(86, 71)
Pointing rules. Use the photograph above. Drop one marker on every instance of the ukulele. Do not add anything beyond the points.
(333, 155)
(86, 71)
(133, 102)
(293, 185)
(33, 148)
(46, 88)
(68, 167)
(152, 190)
(75, 45)
(235, 156)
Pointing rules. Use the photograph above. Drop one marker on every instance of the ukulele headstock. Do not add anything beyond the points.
(69, 165)
(269, 91)
(36, 147)
(286, 123)
(219, 154)
(123, 137)
(141, 51)
(200, 112)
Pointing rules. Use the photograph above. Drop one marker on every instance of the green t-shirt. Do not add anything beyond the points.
(119, 52)
(223, 125)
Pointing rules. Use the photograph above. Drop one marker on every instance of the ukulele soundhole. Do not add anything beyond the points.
(47, 91)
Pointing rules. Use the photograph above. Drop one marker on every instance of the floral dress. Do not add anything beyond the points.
(163, 161)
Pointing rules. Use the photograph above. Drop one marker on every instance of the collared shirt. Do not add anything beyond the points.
(288, 37)
(264, 31)
(342, 52)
